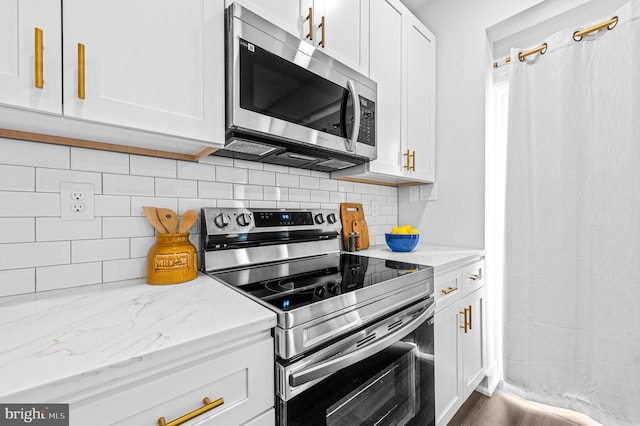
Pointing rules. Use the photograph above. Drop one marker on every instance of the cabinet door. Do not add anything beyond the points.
(448, 362)
(473, 353)
(421, 99)
(345, 30)
(386, 47)
(154, 65)
(287, 14)
(18, 54)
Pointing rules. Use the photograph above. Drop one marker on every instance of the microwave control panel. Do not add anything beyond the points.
(367, 133)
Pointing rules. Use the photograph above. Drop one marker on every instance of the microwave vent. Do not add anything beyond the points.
(248, 147)
(335, 164)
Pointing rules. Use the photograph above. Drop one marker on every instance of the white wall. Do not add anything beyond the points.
(457, 217)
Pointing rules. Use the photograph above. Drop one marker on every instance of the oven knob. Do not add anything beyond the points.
(222, 220)
(319, 218)
(320, 291)
(332, 218)
(244, 219)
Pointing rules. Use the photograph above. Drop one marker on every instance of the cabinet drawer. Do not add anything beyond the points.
(243, 377)
(448, 288)
(473, 276)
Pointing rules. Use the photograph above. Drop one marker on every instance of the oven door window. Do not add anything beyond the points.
(273, 86)
(394, 387)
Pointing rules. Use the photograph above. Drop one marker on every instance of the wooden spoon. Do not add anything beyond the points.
(168, 218)
(187, 220)
(152, 216)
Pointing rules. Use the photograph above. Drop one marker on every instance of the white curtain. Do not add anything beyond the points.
(572, 223)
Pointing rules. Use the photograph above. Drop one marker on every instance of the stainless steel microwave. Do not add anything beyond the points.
(289, 103)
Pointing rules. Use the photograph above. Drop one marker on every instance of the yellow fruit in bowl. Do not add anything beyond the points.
(395, 230)
(414, 231)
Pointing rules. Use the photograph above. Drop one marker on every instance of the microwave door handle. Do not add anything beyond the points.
(350, 144)
(332, 365)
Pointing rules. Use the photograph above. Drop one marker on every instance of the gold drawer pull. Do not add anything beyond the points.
(81, 94)
(310, 19)
(323, 26)
(408, 155)
(466, 324)
(208, 405)
(39, 48)
(470, 318)
(449, 290)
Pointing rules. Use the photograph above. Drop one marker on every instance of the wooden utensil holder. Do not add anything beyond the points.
(172, 260)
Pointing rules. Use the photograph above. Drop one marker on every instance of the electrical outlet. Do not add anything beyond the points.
(429, 192)
(76, 201)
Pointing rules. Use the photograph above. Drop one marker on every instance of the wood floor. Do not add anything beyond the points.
(504, 409)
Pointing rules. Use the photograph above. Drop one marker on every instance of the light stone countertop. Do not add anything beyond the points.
(441, 258)
(77, 334)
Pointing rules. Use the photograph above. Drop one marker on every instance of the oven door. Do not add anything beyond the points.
(382, 375)
(281, 88)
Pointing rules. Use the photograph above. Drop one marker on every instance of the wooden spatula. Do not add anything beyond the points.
(168, 218)
(187, 220)
(152, 216)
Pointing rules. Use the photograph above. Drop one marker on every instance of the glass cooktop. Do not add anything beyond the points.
(297, 283)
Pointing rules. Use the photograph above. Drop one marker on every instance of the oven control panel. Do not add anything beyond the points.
(252, 220)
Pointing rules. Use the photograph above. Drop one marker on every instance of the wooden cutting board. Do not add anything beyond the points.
(352, 216)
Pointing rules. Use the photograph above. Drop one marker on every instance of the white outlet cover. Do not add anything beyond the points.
(76, 201)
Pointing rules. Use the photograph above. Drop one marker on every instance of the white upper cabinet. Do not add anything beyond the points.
(420, 101)
(284, 13)
(402, 62)
(154, 65)
(340, 29)
(30, 57)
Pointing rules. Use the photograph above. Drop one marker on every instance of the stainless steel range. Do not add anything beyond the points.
(354, 334)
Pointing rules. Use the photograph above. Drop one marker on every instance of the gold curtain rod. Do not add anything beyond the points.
(577, 36)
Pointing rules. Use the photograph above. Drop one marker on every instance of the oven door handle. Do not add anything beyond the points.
(332, 365)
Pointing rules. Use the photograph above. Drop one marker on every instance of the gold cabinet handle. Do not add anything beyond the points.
(413, 162)
(310, 19)
(408, 155)
(470, 318)
(449, 290)
(477, 276)
(39, 48)
(80, 71)
(464, 327)
(208, 405)
(322, 25)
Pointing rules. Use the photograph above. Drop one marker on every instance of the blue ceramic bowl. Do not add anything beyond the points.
(402, 242)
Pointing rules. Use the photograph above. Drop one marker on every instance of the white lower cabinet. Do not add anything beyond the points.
(242, 377)
(460, 337)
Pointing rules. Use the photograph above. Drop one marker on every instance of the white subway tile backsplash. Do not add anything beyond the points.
(309, 182)
(247, 192)
(284, 179)
(276, 193)
(244, 164)
(140, 246)
(299, 194)
(17, 178)
(20, 204)
(152, 166)
(196, 171)
(17, 230)
(122, 227)
(55, 229)
(127, 185)
(39, 252)
(17, 281)
(116, 270)
(66, 276)
(112, 205)
(215, 190)
(176, 188)
(137, 204)
(98, 250)
(232, 175)
(99, 161)
(48, 180)
(196, 204)
(28, 255)
(33, 154)
(259, 177)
